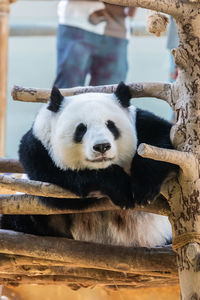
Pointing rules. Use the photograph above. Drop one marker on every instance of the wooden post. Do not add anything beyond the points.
(183, 194)
(4, 12)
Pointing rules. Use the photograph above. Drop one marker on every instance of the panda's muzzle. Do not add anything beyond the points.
(100, 159)
(102, 148)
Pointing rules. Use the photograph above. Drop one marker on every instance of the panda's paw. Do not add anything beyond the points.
(145, 195)
(123, 200)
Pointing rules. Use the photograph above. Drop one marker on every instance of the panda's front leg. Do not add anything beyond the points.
(112, 181)
(147, 177)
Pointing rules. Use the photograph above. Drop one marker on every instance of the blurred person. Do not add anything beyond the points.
(172, 42)
(92, 39)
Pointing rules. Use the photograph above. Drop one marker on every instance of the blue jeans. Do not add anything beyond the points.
(80, 52)
(173, 73)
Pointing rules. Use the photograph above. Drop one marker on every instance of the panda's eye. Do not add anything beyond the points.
(113, 128)
(79, 132)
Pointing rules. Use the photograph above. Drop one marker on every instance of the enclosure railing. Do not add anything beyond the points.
(48, 260)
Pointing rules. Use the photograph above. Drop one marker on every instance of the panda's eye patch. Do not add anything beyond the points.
(113, 128)
(79, 132)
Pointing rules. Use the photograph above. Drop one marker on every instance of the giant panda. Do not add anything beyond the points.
(87, 143)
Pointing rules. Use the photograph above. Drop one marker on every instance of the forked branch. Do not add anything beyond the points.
(171, 7)
(186, 161)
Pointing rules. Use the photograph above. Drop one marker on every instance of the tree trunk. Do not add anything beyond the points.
(184, 193)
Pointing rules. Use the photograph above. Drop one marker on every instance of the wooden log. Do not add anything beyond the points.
(141, 89)
(24, 265)
(35, 270)
(29, 270)
(24, 204)
(10, 166)
(8, 260)
(30, 205)
(4, 11)
(34, 187)
(89, 255)
(138, 282)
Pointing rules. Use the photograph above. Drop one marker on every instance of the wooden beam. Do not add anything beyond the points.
(90, 255)
(138, 90)
(134, 282)
(10, 166)
(4, 11)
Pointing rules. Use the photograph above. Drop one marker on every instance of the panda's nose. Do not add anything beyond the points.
(102, 148)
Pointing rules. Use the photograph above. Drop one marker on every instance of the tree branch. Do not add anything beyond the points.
(157, 23)
(171, 7)
(30, 205)
(152, 89)
(18, 260)
(134, 282)
(89, 255)
(138, 90)
(186, 161)
(16, 264)
(98, 274)
(10, 166)
(34, 187)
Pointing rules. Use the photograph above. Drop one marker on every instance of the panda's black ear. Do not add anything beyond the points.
(123, 94)
(55, 100)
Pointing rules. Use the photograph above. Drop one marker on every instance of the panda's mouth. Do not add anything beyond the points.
(99, 159)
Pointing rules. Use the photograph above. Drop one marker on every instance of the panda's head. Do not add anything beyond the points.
(92, 130)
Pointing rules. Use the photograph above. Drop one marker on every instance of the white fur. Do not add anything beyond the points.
(56, 131)
(135, 229)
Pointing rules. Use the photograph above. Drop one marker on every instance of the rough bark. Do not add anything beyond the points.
(15, 261)
(157, 23)
(138, 281)
(10, 264)
(90, 255)
(29, 204)
(45, 274)
(101, 275)
(171, 7)
(140, 89)
(33, 187)
(184, 193)
(10, 166)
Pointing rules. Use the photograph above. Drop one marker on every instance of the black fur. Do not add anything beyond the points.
(123, 94)
(145, 181)
(79, 133)
(147, 175)
(35, 224)
(39, 166)
(56, 99)
(113, 128)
